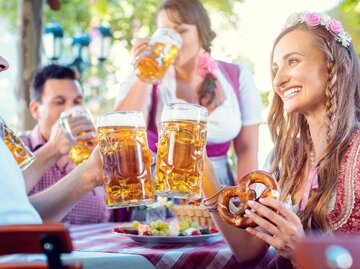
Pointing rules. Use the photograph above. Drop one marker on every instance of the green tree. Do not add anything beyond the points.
(126, 17)
(350, 16)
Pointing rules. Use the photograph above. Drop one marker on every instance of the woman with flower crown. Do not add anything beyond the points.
(228, 91)
(314, 122)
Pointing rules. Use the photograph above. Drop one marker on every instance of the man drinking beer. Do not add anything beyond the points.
(54, 90)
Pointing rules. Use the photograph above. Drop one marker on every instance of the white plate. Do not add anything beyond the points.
(170, 239)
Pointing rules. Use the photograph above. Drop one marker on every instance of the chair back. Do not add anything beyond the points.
(49, 239)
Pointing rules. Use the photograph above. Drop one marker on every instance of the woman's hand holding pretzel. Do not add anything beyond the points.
(245, 193)
(284, 229)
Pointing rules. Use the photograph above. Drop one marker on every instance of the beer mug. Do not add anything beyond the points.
(82, 150)
(179, 160)
(158, 54)
(22, 154)
(126, 159)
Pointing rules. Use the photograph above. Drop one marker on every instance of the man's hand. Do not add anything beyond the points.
(59, 140)
(81, 129)
(93, 168)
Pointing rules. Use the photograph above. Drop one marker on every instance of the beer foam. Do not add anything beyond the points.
(130, 118)
(184, 111)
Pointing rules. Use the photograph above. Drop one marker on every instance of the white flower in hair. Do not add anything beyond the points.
(313, 19)
(325, 19)
(344, 38)
(291, 20)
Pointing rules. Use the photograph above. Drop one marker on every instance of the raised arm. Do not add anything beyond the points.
(245, 247)
(137, 97)
(57, 146)
(56, 201)
(134, 93)
(47, 156)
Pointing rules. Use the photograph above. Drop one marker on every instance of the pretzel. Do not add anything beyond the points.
(244, 193)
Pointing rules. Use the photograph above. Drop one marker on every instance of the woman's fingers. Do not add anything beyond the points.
(283, 242)
(139, 45)
(281, 208)
(268, 214)
(282, 228)
(264, 223)
(274, 217)
(268, 238)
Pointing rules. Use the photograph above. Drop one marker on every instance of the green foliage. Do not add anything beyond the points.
(73, 15)
(126, 18)
(350, 16)
(9, 9)
(134, 18)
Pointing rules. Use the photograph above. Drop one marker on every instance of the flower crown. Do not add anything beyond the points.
(313, 19)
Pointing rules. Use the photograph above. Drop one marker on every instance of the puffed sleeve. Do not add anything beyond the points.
(125, 86)
(250, 98)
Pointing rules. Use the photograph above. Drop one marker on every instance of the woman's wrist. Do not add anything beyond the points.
(210, 183)
(141, 84)
(211, 187)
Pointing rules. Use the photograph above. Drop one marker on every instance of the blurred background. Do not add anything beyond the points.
(94, 36)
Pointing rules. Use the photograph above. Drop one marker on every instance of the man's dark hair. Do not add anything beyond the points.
(52, 71)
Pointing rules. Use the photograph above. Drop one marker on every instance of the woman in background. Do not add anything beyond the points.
(228, 91)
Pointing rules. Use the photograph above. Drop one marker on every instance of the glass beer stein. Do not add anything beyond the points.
(158, 54)
(126, 159)
(22, 154)
(82, 150)
(179, 160)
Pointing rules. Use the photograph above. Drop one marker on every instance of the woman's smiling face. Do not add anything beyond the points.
(300, 69)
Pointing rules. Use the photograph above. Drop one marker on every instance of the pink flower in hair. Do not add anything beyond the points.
(335, 26)
(206, 65)
(321, 20)
(313, 19)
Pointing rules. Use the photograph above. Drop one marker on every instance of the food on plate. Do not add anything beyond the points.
(195, 232)
(162, 228)
(126, 230)
(204, 229)
(159, 228)
(142, 228)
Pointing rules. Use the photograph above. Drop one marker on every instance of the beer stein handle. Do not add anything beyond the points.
(66, 128)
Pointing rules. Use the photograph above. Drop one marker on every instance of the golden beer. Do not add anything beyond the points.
(126, 159)
(22, 154)
(82, 150)
(179, 160)
(152, 62)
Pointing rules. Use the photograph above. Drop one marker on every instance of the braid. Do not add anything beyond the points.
(207, 92)
(331, 102)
